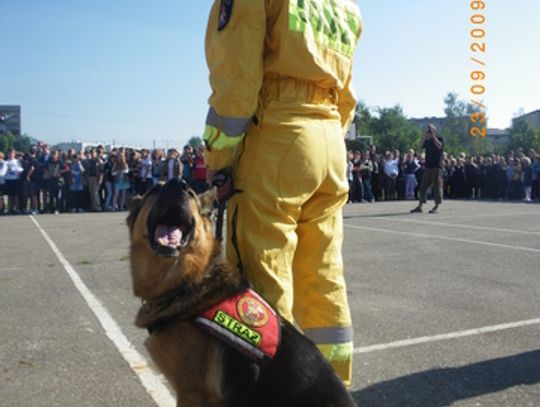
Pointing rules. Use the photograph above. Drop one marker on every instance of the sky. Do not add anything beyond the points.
(133, 72)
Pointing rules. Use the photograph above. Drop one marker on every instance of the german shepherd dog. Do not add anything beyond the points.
(179, 271)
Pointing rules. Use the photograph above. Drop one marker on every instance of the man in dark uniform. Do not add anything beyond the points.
(434, 146)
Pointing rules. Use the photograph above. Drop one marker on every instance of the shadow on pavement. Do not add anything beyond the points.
(442, 387)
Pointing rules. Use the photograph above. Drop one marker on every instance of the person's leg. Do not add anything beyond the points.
(115, 198)
(44, 196)
(24, 195)
(34, 201)
(359, 190)
(437, 188)
(386, 187)
(422, 193)
(10, 203)
(11, 192)
(108, 195)
(122, 205)
(93, 188)
(528, 193)
(320, 294)
(80, 195)
(50, 193)
(283, 165)
(261, 232)
(368, 193)
(58, 199)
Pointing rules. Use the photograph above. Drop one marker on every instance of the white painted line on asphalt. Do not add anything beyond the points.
(445, 337)
(452, 239)
(10, 269)
(489, 229)
(486, 215)
(151, 381)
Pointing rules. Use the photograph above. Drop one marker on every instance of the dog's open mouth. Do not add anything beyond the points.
(170, 222)
(170, 239)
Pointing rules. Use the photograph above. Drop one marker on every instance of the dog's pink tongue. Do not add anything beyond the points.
(168, 235)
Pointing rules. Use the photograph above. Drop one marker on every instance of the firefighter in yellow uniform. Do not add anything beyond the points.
(282, 100)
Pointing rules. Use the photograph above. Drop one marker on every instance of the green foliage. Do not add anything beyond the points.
(6, 141)
(390, 129)
(522, 135)
(357, 145)
(20, 143)
(457, 125)
(393, 130)
(195, 142)
(363, 119)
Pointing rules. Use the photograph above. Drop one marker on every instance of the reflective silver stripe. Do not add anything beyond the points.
(330, 335)
(231, 126)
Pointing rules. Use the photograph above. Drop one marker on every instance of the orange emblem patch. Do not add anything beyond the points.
(252, 312)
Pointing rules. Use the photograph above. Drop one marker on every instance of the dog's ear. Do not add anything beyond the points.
(207, 201)
(134, 205)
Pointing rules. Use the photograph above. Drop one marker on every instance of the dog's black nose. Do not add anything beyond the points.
(177, 183)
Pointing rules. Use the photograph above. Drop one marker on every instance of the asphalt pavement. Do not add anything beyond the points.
(445, 307)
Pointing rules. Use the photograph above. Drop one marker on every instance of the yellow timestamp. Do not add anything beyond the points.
(478, 73)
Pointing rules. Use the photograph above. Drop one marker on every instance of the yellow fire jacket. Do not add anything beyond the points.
(250, 40)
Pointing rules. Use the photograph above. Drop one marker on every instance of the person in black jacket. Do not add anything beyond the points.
(433, 143)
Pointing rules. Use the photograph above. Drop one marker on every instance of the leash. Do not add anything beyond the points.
(219, 180)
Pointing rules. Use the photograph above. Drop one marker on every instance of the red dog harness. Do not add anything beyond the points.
(245, 322)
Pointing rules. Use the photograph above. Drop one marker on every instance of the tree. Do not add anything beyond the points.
(363, 122)
(6, 141)
(393, 130)
(457, 125)
(363, 119)
(522, 135)
(195, 142)
(20, 143)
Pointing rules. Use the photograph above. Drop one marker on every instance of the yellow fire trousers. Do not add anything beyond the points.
(285, 227)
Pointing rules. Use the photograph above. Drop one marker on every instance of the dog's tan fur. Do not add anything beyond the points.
(194, 368)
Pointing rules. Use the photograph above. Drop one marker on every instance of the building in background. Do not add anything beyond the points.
(532, 119)
(499, 138)
(10, 119)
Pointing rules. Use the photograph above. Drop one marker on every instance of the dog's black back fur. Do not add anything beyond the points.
(298, 376)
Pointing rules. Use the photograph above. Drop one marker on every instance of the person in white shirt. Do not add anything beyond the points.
(391, 171)
(146, 171)
(3, 170)
(13, 180)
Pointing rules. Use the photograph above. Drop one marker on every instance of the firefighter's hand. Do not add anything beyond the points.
(221, 179)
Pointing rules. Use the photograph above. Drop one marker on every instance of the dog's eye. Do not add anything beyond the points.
(191, 193)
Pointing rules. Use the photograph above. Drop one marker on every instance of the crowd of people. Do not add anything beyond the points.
(393, 175)
(53, 181)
